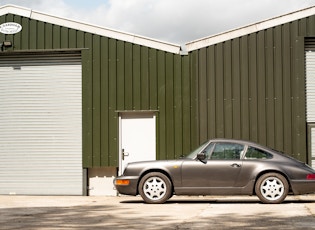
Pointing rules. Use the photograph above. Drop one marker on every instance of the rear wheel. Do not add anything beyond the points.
(155, 188)
(272, 188)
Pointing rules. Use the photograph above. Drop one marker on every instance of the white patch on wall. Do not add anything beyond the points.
(101, 186)
(101, 181)
(10, 28)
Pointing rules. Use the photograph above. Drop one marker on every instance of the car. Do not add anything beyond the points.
(219, 167)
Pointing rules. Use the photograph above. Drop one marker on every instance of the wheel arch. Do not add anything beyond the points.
(158, 171)
(271, 171)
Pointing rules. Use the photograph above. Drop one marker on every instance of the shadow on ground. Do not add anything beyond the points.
(134, 214)
(216, 201)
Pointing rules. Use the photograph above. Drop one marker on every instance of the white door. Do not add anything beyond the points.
(137, 138)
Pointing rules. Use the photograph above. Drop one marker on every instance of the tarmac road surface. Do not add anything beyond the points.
(124, 212)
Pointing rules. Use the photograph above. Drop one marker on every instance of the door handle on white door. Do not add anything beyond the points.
(124, 154)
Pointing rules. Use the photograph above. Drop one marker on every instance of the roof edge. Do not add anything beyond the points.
(251, 28)
(90, 28)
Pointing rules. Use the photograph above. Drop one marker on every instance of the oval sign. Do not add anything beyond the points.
(10, 28)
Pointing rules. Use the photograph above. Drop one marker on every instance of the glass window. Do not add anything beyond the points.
(227, 151)
(194, 153)
(253, 153)
(208, 149)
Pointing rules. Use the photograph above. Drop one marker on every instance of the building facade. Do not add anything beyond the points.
(78, 102)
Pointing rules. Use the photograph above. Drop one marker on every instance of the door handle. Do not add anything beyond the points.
(235, 165)
(124, 154)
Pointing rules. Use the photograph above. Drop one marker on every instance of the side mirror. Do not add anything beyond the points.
(202, 157)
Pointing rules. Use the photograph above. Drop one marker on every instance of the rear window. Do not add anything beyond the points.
(254, 153)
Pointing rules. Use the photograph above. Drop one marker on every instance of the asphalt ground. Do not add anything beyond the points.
(124, 212)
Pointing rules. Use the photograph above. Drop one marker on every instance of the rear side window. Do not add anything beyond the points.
(253, 154)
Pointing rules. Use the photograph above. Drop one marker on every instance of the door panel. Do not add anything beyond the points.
(213, 174)
(137, 138)
(221, 170)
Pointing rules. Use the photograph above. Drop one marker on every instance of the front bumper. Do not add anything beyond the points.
(127, 189)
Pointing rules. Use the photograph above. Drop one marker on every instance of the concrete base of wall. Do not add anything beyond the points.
(100, 181)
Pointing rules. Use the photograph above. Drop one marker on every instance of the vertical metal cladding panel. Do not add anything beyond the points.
(194, 98)
(41, 125)
(161, 98)
(202, 95)
(236, 92)
(186, 105)
(178, 107)
(169, 106)
(96, 91)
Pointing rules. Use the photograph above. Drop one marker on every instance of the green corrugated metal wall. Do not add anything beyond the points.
(129, 77)
(253, 88)
(118, 76)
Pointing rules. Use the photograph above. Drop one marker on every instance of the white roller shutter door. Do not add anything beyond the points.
(41, 125)
(312, 163)
(310, 85)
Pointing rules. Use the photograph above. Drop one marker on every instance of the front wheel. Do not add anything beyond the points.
(272, 188)
(155, 188)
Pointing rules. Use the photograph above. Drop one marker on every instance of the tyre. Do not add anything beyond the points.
(155, 188)
(272, 188)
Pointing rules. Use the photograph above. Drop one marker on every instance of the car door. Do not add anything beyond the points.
(221, 169)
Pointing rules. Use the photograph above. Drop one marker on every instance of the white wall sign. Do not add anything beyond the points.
(10, 28)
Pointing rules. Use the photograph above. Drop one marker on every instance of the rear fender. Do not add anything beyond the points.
(272, 171)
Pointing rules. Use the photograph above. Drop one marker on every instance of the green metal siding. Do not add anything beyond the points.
(129, 77)
(118, 76)
(253, 88)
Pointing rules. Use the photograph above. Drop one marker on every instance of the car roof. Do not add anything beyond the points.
(244, 142)
(233, 140)
(275, 153)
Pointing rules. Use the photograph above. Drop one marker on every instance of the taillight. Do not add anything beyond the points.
(310, 176)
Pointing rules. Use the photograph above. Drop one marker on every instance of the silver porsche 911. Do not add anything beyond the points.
(219, 167)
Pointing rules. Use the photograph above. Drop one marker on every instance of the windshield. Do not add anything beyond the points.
(194, 153)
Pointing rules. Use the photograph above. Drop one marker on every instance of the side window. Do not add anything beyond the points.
(253, 153)
(227, 151)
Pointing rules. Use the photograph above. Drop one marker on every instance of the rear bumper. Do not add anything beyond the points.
(131, 188)
(300, 187)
